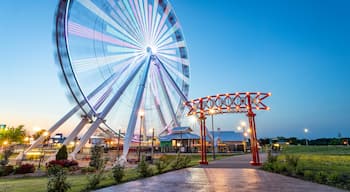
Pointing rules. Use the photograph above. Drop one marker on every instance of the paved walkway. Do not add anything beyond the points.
(230, 174)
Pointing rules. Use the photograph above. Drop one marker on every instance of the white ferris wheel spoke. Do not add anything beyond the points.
(167, 41)
(120, 49)
(126, 16)
(136, 14)
(167, 98)
(96, 62)
(137, 11)
(168, 33)
(172, 81)
(176, 59)
(162, 21)
(154, 14)
(168, 52)
(170, 68)
(126, 24)
(155, 95)
(81, 31)
(173, 45)
(97, 11)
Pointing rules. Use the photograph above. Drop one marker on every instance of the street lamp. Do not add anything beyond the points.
(152, 150)
(243, 126)
(118, 143)
(193, 120)
(306, 130)
(45, 135)
(212, 112)
(141, 114)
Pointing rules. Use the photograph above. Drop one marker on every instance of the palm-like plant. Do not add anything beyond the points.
(12, 134)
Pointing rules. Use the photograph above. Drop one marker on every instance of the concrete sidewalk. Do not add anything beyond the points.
(230, 174)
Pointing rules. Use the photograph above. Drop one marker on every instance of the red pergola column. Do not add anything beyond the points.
(253, 139)
(203, 140)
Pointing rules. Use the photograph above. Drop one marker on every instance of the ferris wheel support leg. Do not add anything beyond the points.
(66, 117)
(135, 110)
(105, 111)
(85, 138)
(76, 131)
(40, 140)
(167, 98)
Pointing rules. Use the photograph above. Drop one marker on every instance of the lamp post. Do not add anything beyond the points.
(211, 112)
(193, 124)
(243, 126)
(141, 113)
(152, 150)
(42, 156)
(306, 130)
(118, 143)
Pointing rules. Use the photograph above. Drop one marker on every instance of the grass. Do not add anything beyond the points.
(322, 164)
(320, 150)
(78, 182)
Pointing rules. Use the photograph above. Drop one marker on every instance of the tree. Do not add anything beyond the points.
(62, 153)
(38, 134)
(12, 134)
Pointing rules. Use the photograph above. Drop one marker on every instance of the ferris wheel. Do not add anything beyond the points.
(120, 57)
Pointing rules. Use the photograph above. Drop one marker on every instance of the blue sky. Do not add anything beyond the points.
(298, 50)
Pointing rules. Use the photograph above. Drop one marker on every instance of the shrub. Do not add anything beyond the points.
(177, 162)
(95, 179)
(88, 169)
(162, 163)
(181, 161)
(333, 178)
(96, 157)
(299, 169)
(6, 170)
(62, 153)
(292, 160)
(143, 168)
(118, 173)
(5, 156)
(57, 179)
(309, 175)
(271, 158)
(320, 177)
(267, 166)
(279, 167)
(186, 160)
(25, 168)
(64, 163)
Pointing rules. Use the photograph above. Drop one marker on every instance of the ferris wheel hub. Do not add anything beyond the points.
(151, 49)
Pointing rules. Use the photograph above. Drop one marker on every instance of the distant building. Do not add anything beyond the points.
(180, 139)
(226, 141)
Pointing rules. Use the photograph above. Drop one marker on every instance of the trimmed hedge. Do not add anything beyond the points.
(25, 168)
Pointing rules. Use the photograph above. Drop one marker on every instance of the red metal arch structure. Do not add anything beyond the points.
(229, 103)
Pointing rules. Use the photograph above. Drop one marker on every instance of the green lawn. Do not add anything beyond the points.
(78, 182)
(322, 164)
(321, 150)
